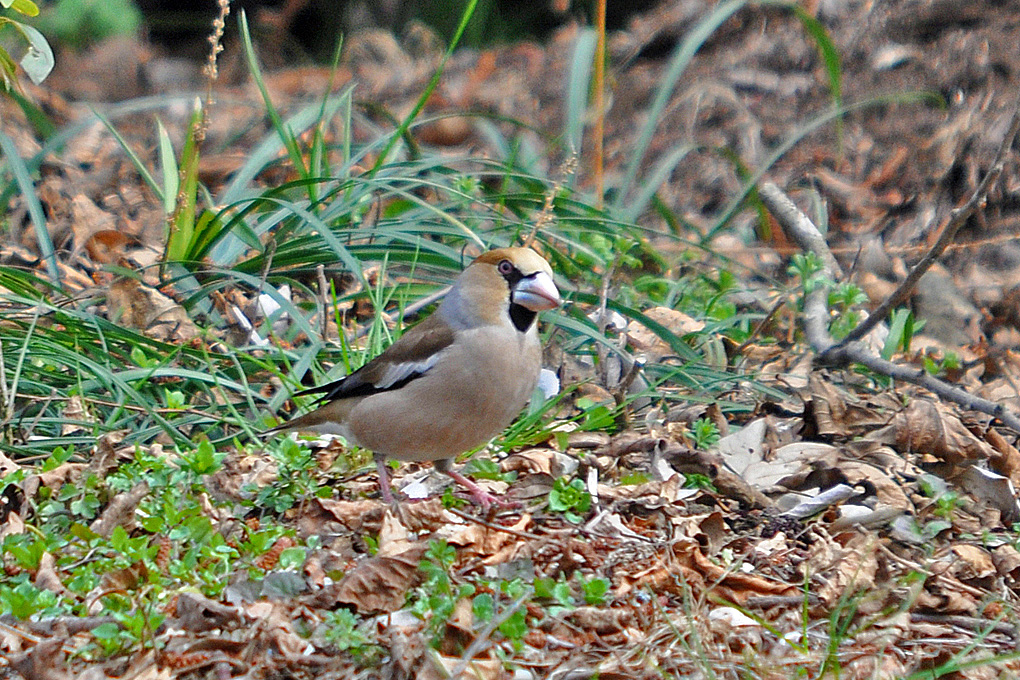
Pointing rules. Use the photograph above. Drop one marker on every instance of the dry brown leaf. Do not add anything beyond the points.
(411, 658)
(531, 461)
(195, 613)
(121, 511)
(45, 661)
(708, 528)
(886, 666)
(87, 219)
(839, 570)
(107, 246)
(600, 620)
(646, 341)
(75, 416)
(888, 492)
(740, 631)
(65, 473)
(735, 586)
(480, 541)
(144, 308)
(1006, 460)
(423, 516)
(966, 562)
(394, 538)
(687, 567)
(1007, 561)
(836, 413)
(994, 493)
(7, 466)
(949, 599)
(929, 428)
(13, 525)
(377, 584)
(326, 516)
(117, 581)
(476, 669)
(46, 575)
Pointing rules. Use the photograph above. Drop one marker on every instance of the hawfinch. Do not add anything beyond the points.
(454, 381)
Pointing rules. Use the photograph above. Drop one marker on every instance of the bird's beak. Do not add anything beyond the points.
(536, 292)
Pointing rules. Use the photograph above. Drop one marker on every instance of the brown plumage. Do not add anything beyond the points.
(452, 382)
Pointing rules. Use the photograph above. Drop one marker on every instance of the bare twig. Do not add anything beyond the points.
(970, 623)
(599, 85)
(495, 527)
(800, 227)
(957, 219)
(816, 315)
(566, 171)
(320, 274)
(482, 638)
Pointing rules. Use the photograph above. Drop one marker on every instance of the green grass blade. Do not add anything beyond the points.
(168, 164)
(578, 87)
(24, 181)
(399, 133)
(678, 63)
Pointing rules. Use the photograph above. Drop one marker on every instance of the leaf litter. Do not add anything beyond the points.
(842, 531)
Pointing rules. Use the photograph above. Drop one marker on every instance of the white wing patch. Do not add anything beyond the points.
(396, 373)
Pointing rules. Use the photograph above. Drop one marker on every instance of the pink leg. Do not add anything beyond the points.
(478, 494)
(384, 478)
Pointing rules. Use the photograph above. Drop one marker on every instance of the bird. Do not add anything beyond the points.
(452, 382)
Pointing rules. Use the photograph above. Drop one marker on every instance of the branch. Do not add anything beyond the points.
(957, 218)
(816, 315)
(800, 227)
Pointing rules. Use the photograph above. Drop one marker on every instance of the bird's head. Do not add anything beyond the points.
(514, 280)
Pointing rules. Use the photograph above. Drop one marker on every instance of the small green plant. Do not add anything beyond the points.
(450, 499)
(949, 362)
(705, 433)
(902, 328)
(694, 480)
(485, 607)
(20, 598)
(594, 591)
(203, 460)
(808, 268)
(571, 498)
(80, 23)
(843, 301)
(557, 592)
(946, 505)
(342, 632)
(561, 592)
(129, 632)
(595, 416)
(436, 597)
(296, 478)
(486, 468)
(634, 477)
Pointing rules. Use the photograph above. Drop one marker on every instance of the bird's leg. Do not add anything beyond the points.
(384, 478)
(478, 494)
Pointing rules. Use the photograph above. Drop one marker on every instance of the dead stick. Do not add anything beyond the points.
(816, 315)
(957, 219)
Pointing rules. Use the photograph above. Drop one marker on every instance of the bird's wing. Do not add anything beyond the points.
(408, 358)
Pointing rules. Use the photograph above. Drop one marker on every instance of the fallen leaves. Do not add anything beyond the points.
(849, 527)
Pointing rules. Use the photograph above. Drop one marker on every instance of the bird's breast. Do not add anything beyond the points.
(474, 390)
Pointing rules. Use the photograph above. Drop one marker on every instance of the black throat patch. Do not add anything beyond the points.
(522, 317)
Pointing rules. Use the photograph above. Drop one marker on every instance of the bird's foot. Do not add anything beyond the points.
(479, 495)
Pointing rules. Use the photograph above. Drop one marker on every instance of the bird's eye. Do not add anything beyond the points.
(505, 267)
